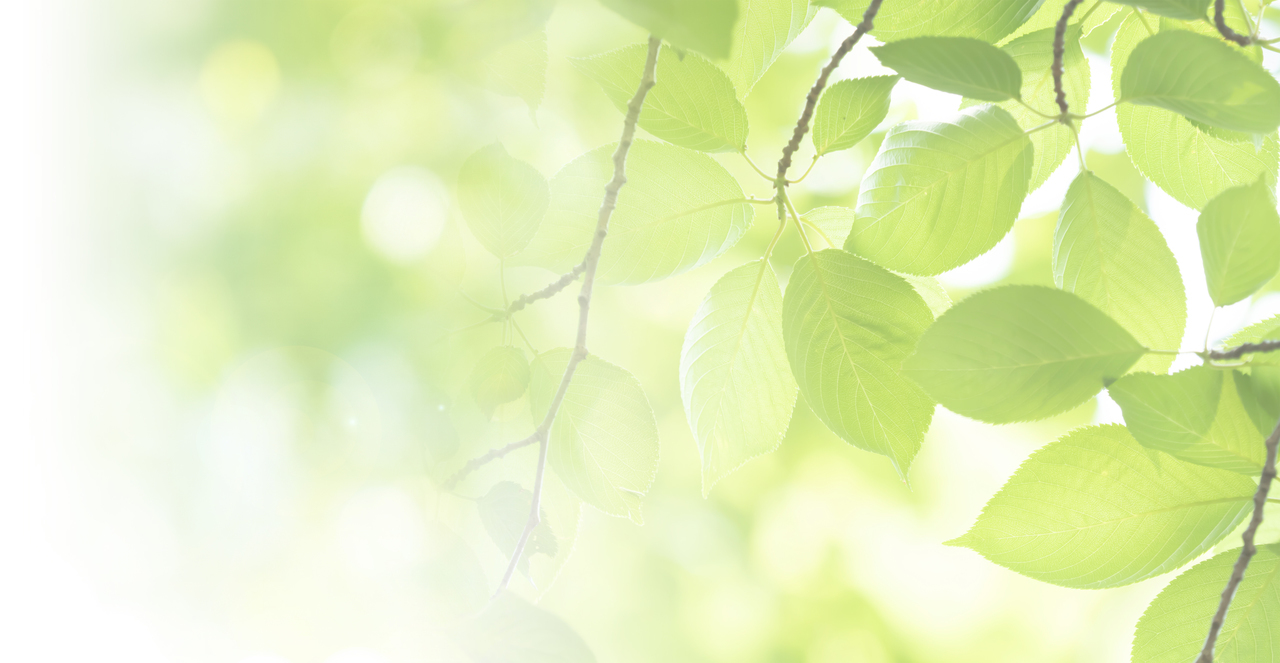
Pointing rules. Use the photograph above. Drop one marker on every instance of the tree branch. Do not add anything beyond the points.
(1247, 348)
(1247, 552)
(1220, 21)
(549, 291)
(492, 455)
(1059, 49)
(590, 263)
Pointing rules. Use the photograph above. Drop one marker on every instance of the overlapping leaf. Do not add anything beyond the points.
(1267, 330)
(1086, 18)
(959, 65)
(501, 376)
(1240, 242)
(1186, 10)
(765, 28)
(503, 199)
(512, 630)
(988, 20)
(705, 26)
(1095, 509)
(1019, 353)
(504, 512)
(849, 111)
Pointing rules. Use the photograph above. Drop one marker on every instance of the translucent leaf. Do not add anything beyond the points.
(767, 27)
(1191, 165)
(705, 26)
(940, 194)
(833, 223)
(1202, 79)
(504, 511)
(737, 388)
(1085, 18)
(1110, 254)
(1260, 393)
(1195, 415)
(519, 69)
(501, 376)
(931, 291)
(1173, 628)
(1267, 330)
(959, 65)
(849, 111)
(1095, 509)
(1034, 55)
(1240, 242)
(693, 105)
(512, 630)
(678, 210)
(1186, 10)
(848, 324)
(1020, 353)
(503, 199)
(988, 20)
(604, 442)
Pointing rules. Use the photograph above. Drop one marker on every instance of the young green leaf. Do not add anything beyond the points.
(693, 105)
(959, 65)
(604, 442)
(1202, 79)
(833, 223)
(1110, 254)
(501, 376)
(940, 194)
(678, 210)
(504, 511)
(1260, 393)
(988, 20)
(1046, 18)
(1196, 415)
(705, 26)
(1190, 164)
(849, 111)
(766, 28)
(502, 198)
(1095, 509)
(1186, 10)
(1240, 242)
(1267, 330)
(1173, 628)
(737, 388)
(1020, 353)
(847, 325)
(512, 630)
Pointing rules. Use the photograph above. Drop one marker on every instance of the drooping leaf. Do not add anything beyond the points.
(959, 65)
(604, 442)
(833, 223)
(765, 29)
(1095, 509)
(849, 111)
(519, 69)
(1186, 10)
(693, 105)
(1196, 415)
(940, 194)
(503, 199)
(678, 210)
(504, 512)
(1202, 79)
(1020, 353)
(1240, 242)
(847, 325)
(988, 20)
(1267, 330)
(737, 388)
(1174, 626)
(1034, 54)
(705, 26)
(501, 376)
(1110, 254)
(512, 630)
(1190, 164)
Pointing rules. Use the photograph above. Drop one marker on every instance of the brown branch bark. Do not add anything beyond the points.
(1059, 49)
(1247, 348)
(1220, 21)
(1247, 552)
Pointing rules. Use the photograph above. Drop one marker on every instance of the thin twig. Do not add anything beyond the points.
(479, 461)
(1220, 21)
(1247, 552)
(591, 262)
(549, 291)
(1247, 348)
(1059, 49)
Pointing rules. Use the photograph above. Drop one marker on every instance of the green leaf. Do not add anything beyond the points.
(693, 105)
(1260, 393)
(1186, 10)
(1020, 353)
(959, 65)
(737, 388)
(678, 210)
(940, 194)
(503, 199)
(504, 512)
(1267, 330)
(988, 20)
(1240, 242)
(833, 223)
(848, 324)
(1095, 509)
(1202, 79)
(849, 111)
(1034, 55)
(766, 29)
(1189, 164)
(1174, 626)
(519, 69)
(705, 26)
(1085, 19)
(512, 630)
(501, 376)
(1195, 415)
(931, 291)
(1110, 254)
(604, 442)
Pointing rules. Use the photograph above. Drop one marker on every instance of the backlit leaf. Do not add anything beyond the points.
(765, 29)
(1240, 242)
(1267, 330)
(1187, 10)
(849, 111)
(501, 376)
(988, 20)
(503, 199)
(504, 512)
(512, 630)
(705, 26)
(959, 65)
